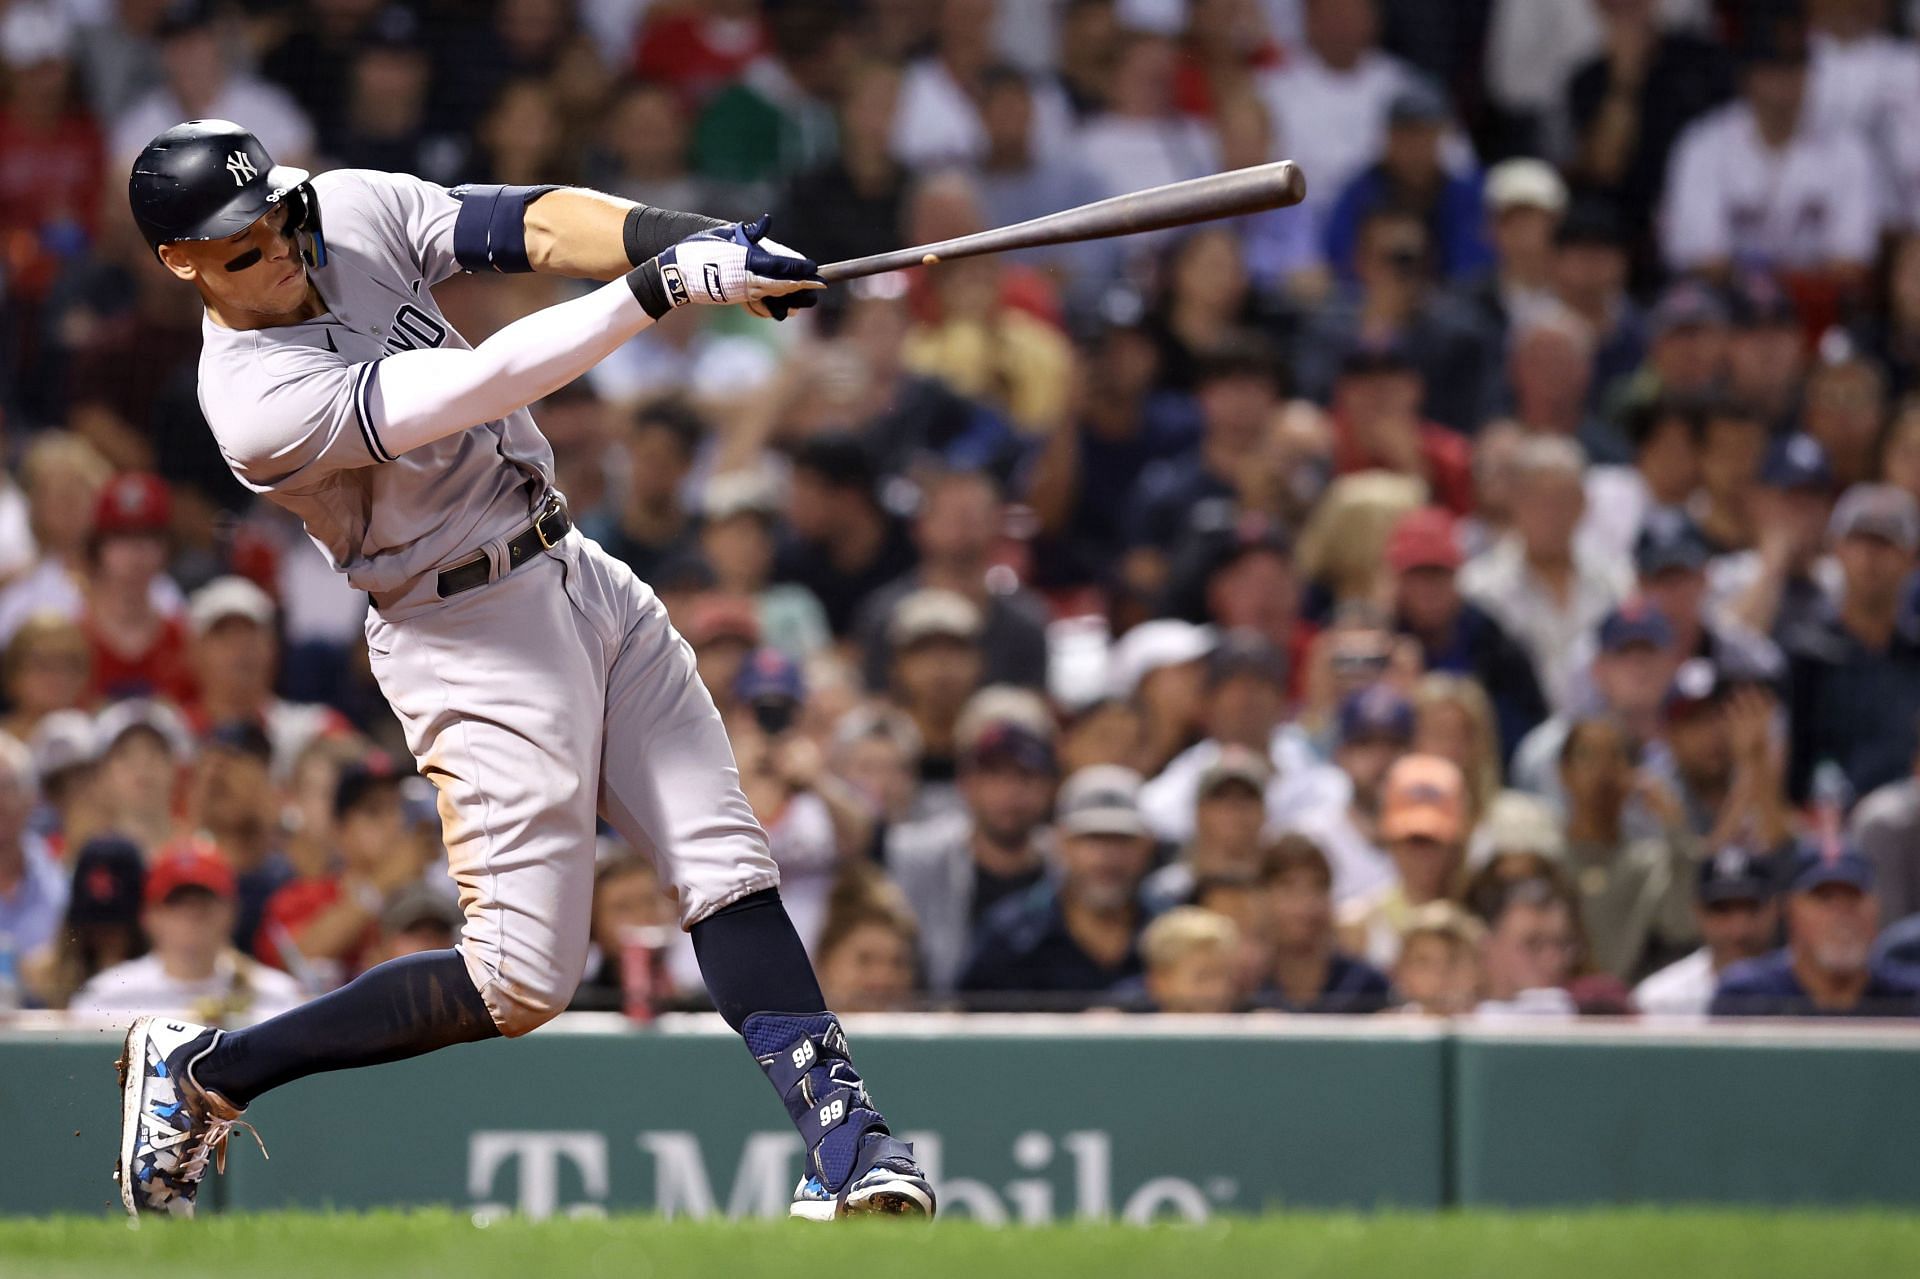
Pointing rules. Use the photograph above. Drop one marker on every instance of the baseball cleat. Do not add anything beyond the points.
(170, 1127)
(892, 1185)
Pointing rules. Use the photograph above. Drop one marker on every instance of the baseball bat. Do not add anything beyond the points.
(1219, 195)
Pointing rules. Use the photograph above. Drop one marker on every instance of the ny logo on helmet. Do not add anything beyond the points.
(241, 168)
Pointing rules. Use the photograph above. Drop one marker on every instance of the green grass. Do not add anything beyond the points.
(1633, 1244)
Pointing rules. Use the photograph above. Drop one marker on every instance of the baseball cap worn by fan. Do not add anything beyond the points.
(1733, 874)
(1797, 463)
(60, 741)
(932, 613)
(1102, 799)
(109, 882)
(131, 504)
(1376, 713)
(1002, 743)
(226, 597)
(1687, 305)
(189, 865)
(1153, 646)
(31, 34)
(769, 675)
(1696, 686)
(1236, 764)
(418, 904)
(1244, 652)
(1880, 511)
(1671, 545)
(722, 617)
(140, 713)
(1837, 863)
(1634, 622)
(1424, 796)
(1524, 183)
(1424, 538)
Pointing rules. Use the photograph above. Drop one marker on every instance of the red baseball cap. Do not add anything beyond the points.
(133, 502)
(1425, 538)
(189, 864)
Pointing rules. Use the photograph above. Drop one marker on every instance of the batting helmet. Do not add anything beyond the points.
(208, 179)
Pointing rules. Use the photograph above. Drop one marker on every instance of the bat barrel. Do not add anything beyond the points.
(1219, 195)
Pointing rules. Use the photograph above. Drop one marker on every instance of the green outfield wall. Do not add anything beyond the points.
(1034, 1119)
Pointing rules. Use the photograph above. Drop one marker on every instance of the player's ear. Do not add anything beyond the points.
(175, 260)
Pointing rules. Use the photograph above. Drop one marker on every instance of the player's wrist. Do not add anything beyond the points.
(650, 289)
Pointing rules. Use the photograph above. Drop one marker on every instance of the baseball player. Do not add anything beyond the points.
(538, 680)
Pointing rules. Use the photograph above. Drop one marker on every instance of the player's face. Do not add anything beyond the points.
(257, 273)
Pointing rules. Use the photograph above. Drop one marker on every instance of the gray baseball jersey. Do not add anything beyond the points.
(557, 692)
(289, 405)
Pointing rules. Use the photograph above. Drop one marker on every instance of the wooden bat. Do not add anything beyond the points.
(1219, 195)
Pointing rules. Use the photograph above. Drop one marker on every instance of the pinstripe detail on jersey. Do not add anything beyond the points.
(363, 409)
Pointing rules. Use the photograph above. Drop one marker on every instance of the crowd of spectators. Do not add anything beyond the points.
(1487, 589)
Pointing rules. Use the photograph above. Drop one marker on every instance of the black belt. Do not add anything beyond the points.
(552, 524)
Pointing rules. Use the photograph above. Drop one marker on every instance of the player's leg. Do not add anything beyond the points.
(669, 784)
(499, 692)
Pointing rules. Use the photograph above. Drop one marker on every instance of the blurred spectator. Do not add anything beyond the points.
(1229, 814)
(1439, 969)
(1530, 950)
(1206, 306)
(957, 533)
(1550, 354)
(1525, 200)
(1331, 98)
(235, 657)
(1845, 410)
(775, 117)
(51, 181)
(45, 669)
(1411, 176)
(1544, 589)
(1633, 893)
(739, 511)
(1590, 277)
(313, 56)
(101, 927)
(1455, 636)
(654, 525)
(1854, 670)
(1141, 140)
(142, 747)
(955, 868)
(937, 662)
(723, 630)
(938, 120)
(383, 121)
(850, 205)
(1078, 935)
(699, 52)
(138, 650)
(1758, 182)
(1378, 426)
(33, 893)
(626, 895)
(1423, 830)
(815, 822)
(866, 955)
(876, 751)
(1159, 666)
(1244, 705)
(1630, 674)
(1392, 300)
(1627, 502)
(66, 763)
(1738, 919)
(1310, 973)
(1885, 830)
(1454, 720)
(1373, 729)
(1190, 962)
(234, 806)
(520, 137)
(843, 545)
(1782, 584)
(1827, 968)
(203, 82)
(62, 476)
(1628, 103)
(193, 970)
(1865, 80)
(1767, 350)
(1240, 578)
(418, 918)
(642, 153)
(1729, 762)
(324, 928)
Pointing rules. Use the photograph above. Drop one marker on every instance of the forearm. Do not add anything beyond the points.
(588, 235)
(421, 396)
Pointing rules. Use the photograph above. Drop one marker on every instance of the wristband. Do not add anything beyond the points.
(649, 290)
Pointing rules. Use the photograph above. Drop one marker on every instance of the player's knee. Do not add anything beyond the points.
(525, 1003)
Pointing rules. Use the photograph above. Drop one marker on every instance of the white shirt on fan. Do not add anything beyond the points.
(1731, 197)
(142, 986)
(1683, 988)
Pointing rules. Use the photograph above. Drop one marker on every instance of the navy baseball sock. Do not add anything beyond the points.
(393, 1011)
(763, 984)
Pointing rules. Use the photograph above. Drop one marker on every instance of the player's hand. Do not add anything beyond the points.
(737, 264)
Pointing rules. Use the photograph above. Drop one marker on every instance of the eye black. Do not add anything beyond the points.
(244, 261)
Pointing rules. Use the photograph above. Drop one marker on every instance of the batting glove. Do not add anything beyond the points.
(724, 266)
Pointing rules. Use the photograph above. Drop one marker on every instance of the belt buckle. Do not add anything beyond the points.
(554, 507)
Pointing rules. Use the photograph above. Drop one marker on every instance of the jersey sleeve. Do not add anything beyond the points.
(294, 417)
(418, 221)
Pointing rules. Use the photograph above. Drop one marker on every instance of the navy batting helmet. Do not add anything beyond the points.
(209, 179)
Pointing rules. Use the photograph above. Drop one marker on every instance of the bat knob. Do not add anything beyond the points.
(929, 259)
